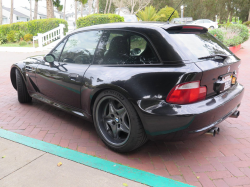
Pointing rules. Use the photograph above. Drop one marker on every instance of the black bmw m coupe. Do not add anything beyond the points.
(137, 81)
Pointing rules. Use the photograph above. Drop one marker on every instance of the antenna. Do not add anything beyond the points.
(174, 11)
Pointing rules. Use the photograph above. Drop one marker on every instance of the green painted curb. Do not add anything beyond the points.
(94, 162)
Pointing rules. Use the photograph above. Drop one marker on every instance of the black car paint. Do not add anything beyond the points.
(146, 86)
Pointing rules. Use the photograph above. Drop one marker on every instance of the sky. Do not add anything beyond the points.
(25, 3)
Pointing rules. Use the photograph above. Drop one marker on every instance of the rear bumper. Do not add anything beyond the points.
(162, 120)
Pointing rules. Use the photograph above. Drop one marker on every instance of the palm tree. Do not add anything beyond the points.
(149, 14)
(83, 2)
(50, 9)
(36, 9)
(90, 6)
(1, 14)
(11, 11)
(75, 11)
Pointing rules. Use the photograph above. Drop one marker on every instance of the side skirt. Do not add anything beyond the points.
(71, 110)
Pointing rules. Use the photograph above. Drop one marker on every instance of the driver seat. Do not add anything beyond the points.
(118, 51)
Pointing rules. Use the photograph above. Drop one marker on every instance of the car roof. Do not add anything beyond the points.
(130, 25)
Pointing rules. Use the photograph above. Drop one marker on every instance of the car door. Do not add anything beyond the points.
(62, 82)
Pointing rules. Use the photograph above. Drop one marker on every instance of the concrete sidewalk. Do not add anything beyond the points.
(25, 166)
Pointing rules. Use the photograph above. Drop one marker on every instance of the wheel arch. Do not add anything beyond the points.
(13, 75)
(102, 88)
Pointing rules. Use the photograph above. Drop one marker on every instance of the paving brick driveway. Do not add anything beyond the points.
(220, 161)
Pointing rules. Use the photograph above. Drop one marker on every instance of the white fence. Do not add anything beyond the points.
(49, 36)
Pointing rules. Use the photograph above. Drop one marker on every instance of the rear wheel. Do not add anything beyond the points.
(22, 93)
(212, 27)
(117, 122)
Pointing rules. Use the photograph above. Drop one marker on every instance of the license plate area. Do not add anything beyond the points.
(223, 83)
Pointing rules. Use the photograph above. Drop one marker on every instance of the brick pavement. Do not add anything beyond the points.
(219, 161)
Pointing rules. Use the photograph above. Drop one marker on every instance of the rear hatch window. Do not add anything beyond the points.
(198, 45)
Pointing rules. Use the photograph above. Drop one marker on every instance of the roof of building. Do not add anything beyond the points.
(16, 12)
(39, 13)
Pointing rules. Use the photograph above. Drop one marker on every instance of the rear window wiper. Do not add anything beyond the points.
(213, 56)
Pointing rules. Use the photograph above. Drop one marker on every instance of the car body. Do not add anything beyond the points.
(205, 23)
(142, 66)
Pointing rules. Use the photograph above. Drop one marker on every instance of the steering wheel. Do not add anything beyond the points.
(80, 59)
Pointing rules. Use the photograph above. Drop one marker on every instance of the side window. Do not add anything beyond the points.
(80, 47)
(57, 51)
(122, 47)
(200, 21)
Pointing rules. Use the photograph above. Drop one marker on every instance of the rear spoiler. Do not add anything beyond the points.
(187, 29)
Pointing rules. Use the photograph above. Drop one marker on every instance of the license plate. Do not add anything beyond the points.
(228, 81)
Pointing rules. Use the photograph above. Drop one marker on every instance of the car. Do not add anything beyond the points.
(185, 20)
(137, 81)
(130, 18)
(205, 23)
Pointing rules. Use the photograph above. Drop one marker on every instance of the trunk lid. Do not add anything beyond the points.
(214, 69)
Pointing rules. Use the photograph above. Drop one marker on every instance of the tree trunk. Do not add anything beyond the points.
(50, 10)
(1, 13)
(64, 10)
(75, 12)
(109, 6)
(107, 2)
(30, 10)
(36, 9)
(97, 6)
(249, 15)
(81, 9)
(90, 5)
(11, 12)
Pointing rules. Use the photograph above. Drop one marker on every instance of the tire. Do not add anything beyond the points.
(212, 27)
(129, 133)
(22, 93)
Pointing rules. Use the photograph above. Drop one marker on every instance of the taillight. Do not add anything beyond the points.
(187, 93)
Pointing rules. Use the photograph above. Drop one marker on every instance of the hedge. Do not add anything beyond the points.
(247, 23)
(231, 34)
(95, 19)
(35, 26)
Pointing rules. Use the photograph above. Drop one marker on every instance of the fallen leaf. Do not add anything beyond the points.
(3, 156)
(59, 164)
(124, 184)
(198, 177)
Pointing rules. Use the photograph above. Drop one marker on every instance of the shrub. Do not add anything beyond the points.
(20, 35)
(95, 19)
(218, 33)
(236, 29)
(236, 40)
(28, 37)
(35, 26)
(22, 43)
(3, 39)
(165, 13)
(247, 23)
(11, 37)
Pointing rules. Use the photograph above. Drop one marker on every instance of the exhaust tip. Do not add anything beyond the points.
(236, 114)
(211, 132)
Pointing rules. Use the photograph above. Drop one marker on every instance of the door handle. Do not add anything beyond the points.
(73, 76)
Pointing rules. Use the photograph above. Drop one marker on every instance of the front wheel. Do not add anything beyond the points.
(22, 93)
(117, 122)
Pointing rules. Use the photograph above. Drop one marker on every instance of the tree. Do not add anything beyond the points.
(11, 11)
(97, 6)
(110, 2)
(64, 9)
(119, 4)
(50, 9)
(30, 9)
(107, 2)
(148, 14)
(83, 2)
(90, 5)
(75, 10)
(1, 13)
(36, 9)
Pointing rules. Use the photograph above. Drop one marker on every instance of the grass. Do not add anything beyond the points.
(17, 45)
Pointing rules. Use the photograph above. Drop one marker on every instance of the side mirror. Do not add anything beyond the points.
(50, 58)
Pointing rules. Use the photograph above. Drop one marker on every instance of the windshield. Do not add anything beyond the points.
(199, 45)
